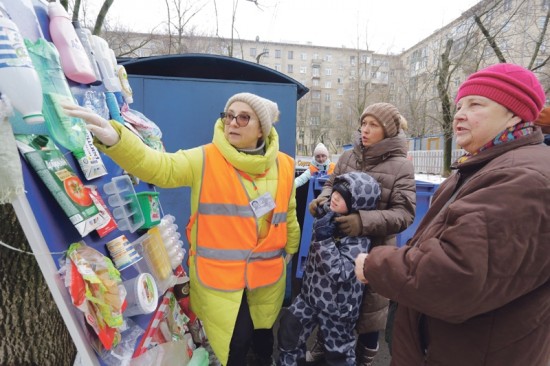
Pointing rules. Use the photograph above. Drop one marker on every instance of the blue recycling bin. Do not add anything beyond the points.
(424, 194)
(316, 184)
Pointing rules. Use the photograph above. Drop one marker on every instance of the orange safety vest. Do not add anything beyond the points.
(229, 254)
(313, 169)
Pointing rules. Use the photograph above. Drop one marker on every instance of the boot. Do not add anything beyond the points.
(317, 352)
(364, 356)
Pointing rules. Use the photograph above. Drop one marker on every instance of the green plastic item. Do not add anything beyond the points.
(150, 207)
(200, 357)
(69, 132)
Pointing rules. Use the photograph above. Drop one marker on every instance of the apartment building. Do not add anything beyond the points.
(343, 81)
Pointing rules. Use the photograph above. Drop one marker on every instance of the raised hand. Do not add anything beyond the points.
(99, 126)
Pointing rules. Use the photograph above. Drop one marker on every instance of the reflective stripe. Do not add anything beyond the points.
(235, 255)
(225, 210)
(230, 255)
(267, 255)
(278, 218)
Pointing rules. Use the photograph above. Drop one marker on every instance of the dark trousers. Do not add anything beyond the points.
(245, 336)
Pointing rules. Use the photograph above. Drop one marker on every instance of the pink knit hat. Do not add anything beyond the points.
(511, 86)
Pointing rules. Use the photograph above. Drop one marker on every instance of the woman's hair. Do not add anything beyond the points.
(403, 124)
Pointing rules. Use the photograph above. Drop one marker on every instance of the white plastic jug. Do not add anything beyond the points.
(74, 60)
(102, 55)
(18, 78)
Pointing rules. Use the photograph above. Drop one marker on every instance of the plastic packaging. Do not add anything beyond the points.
(141, 295)
(74, 59)
(103, 57)
(112, 104)
(125, 84)
(70, 132)
(150, 207)
(18, 78)
(151, 247)
(89, 159)
(22, 13)
(123, 199)
(171, 239)
(122, 252)
(200, 357)
(84, 36)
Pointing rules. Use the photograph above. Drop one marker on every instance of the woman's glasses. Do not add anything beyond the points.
(242, 119)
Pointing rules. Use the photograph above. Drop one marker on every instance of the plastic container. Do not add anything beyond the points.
(125, 84)
(126, 208)
(74, 59)
(102, 55)
(113, 106)
(84, 36)
(151, 247)
(200, 357)
(141, 295)
(19, 80)
(123, 253)
(150, 208)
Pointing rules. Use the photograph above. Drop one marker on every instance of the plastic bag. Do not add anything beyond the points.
(97, 290)
(146, 129)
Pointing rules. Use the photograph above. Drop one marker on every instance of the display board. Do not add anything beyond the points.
(184, 109)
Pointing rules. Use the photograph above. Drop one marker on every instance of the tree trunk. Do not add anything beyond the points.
(33, 332)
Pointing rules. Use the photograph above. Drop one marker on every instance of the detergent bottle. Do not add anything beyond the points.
(19, 80)
(127, 92)
(106, 66)
(74, 60)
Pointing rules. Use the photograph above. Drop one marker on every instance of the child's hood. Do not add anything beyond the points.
(365, 190)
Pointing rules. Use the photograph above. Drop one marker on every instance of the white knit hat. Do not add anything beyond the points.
(320, 149)
(266, 110)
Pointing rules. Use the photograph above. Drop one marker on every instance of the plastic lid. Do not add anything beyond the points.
(146, 293)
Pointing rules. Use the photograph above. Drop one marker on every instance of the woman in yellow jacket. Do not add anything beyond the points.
(243, 225)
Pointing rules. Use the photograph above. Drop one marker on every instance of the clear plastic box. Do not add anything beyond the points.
(124, 201)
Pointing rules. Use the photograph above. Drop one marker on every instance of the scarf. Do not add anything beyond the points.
(509, 134)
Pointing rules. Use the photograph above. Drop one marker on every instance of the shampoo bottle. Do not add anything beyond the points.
(18, 78)
(103, 58)
(74, 60)
(84, 36)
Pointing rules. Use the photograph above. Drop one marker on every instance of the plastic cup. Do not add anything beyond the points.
(141, 295)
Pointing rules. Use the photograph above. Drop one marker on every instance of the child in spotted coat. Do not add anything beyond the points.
(331, 293)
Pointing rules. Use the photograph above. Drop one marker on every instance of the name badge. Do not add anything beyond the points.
(262, 205)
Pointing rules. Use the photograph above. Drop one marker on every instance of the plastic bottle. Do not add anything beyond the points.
(126, 88)
(70, 132)
(22, 13)
(84, 36)
(18, 79)
(74, 60)
(103, 58)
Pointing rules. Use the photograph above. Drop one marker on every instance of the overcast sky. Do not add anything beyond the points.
(385, 25)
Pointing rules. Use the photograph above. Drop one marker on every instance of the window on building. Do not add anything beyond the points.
(545, 5)
(328, 84)
(507, 6)
(327, 109)
(328, 58)
(303, 56)
(327, 97)
(315, 120)
(316, 107)
(265, 52)
(278, 67)
(290, 55)
(339, 105)
(352, 60)
(340, 91)
(316, 71)
(277, 53)
(290, 68)
(303, 69)
(315, 56)
(328, 71)
(253, 52)
(315, 94)
(315, 82)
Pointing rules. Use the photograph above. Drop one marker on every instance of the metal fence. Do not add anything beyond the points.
(431, 161)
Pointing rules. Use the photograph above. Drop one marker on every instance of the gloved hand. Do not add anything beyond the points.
(319, 201)
(100, 127)
(325, 227)
(350, 225)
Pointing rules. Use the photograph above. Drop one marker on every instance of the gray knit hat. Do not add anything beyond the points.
(266, 110)
(387, 115)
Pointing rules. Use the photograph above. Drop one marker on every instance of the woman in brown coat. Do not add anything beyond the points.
(473, 286)
(380, 149)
